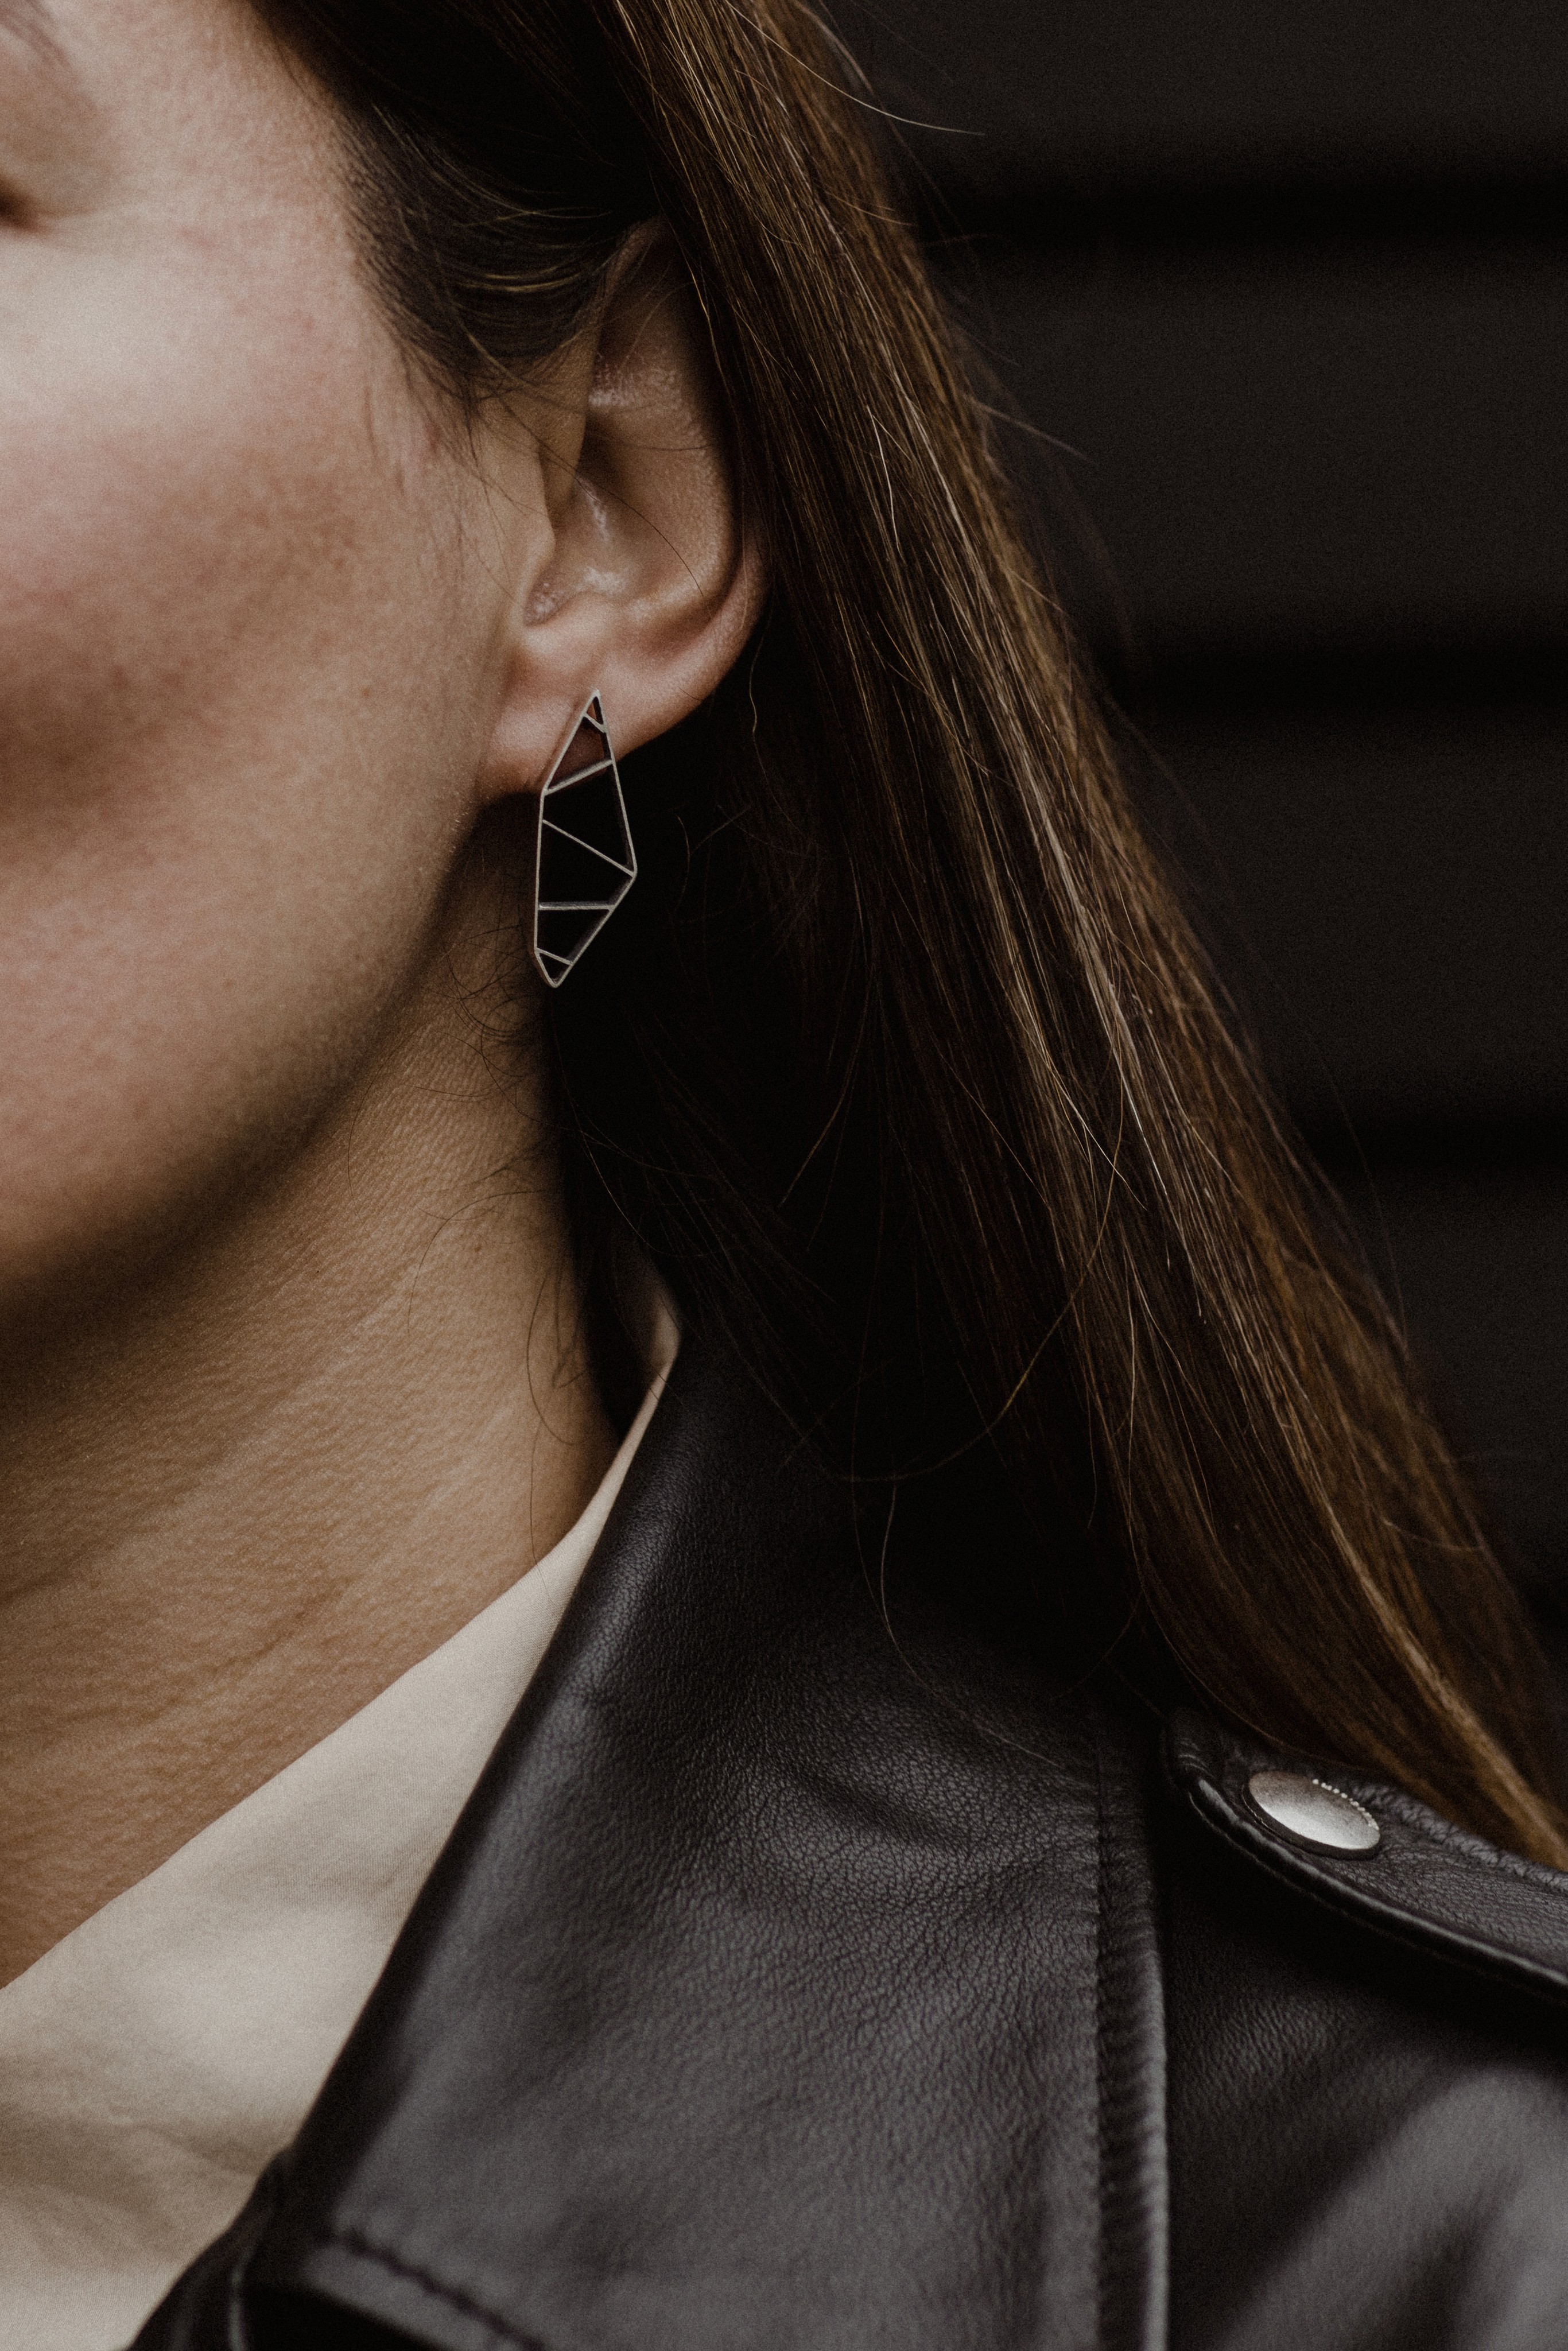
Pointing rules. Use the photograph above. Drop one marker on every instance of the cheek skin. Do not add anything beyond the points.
(244, 672)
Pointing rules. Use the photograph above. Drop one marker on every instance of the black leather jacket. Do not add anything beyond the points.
(792, 1985)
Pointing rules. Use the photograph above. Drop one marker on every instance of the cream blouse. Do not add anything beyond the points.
(155, 2059)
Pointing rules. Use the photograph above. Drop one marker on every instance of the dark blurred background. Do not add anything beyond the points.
(1283, 292)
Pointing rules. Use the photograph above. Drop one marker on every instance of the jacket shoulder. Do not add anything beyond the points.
(1415, 1878)
(1368, 2066)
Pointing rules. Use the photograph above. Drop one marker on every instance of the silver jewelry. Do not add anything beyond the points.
(585, 863)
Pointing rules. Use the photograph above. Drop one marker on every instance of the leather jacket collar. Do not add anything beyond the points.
(791, 1981)
(785, 1982)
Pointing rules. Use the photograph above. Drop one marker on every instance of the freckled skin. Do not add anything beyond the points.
(291, 1374)
(237, 758)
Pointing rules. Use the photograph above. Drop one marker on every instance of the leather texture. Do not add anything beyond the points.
(1427, 1884)
(1369, 2077)
(812, 1968)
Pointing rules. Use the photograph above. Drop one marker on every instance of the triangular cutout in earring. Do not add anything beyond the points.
(584, 861)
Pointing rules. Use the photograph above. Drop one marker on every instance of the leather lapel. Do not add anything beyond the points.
(761, 1996)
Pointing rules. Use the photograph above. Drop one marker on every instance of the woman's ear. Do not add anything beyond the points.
(638, 580)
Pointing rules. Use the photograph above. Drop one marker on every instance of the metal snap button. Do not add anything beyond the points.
(1304, 1809)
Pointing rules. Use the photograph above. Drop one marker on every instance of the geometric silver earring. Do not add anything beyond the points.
(585, 862)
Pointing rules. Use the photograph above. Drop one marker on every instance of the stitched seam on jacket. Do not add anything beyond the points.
(1102, 2004)
(1462, 1850)
(1134, 2313)
(352, 2240)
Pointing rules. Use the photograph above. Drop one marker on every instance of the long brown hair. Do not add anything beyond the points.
(903, 1063)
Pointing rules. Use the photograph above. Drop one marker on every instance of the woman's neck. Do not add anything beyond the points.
(242, 1493)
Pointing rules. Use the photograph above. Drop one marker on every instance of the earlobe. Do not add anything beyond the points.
(638, 584)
